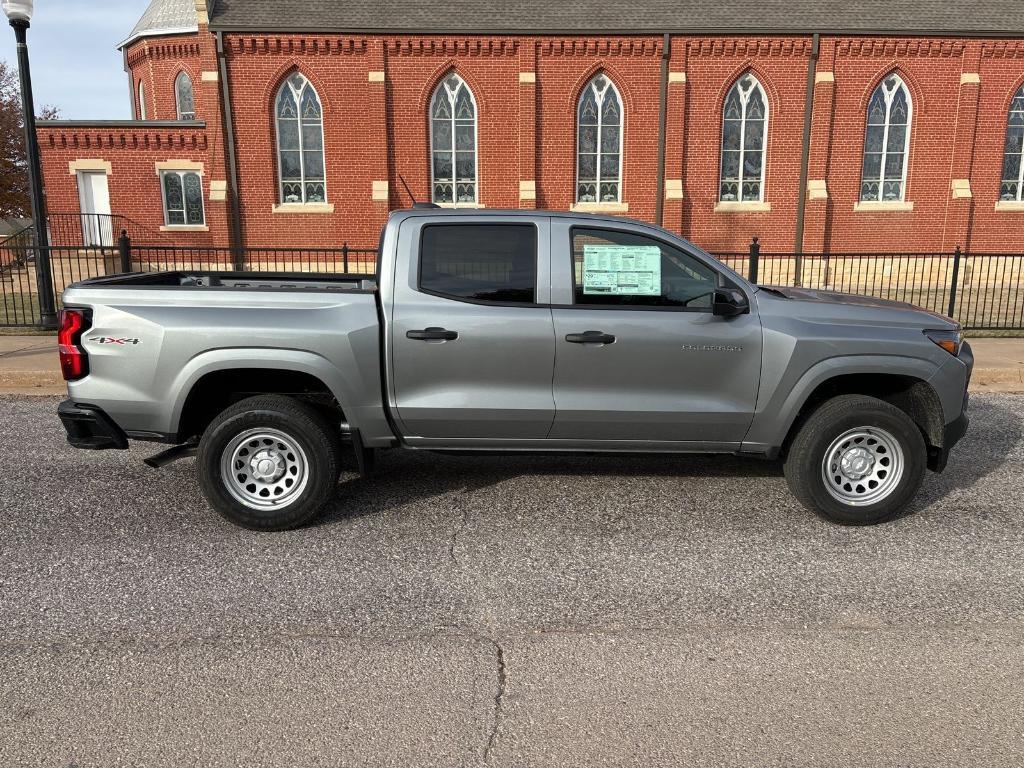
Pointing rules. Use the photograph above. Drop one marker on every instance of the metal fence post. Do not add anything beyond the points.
(344, 255)
(124, 247)
(755, 260)
(955, 281)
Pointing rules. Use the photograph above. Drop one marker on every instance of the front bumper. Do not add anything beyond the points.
(90, 428)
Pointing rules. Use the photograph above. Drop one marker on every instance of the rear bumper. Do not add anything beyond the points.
(89, 427)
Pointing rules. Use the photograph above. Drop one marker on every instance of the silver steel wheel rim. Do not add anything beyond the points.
(862, 466)
(264, 469)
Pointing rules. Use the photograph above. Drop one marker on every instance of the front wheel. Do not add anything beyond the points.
(269, 463)
(857, 461)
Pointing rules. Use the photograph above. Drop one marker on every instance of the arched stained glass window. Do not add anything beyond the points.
(744, 127)
(453, 166)
(184, 97)
(1012, 187)
(142, 100)
(183, 198)
(300, 142)
(886, 142)
(599, 143)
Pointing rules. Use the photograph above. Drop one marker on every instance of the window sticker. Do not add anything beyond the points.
(621, 270)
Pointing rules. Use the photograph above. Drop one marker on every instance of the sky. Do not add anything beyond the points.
(76, 66)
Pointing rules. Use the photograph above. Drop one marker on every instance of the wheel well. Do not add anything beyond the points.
(220, 389)
(913, 396)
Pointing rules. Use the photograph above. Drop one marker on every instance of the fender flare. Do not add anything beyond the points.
(773, 423)
(212, 361)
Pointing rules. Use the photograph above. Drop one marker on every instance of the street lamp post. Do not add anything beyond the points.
(19, 13)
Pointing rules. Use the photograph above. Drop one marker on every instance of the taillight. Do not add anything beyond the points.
(74, 362)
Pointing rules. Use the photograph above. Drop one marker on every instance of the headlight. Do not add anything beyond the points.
(948, 340)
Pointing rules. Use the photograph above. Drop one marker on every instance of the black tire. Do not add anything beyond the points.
(834, 418)
(301, 426)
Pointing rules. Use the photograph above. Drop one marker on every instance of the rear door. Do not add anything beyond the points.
(471, 336)
(639, 355)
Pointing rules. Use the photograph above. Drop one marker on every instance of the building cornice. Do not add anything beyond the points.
(614, 32)
(900, 47)
(313, 43)
(165, 49)
(157, 33)
(183, 124)
(124, 134)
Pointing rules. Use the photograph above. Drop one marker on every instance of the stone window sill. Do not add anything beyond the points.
(742, 206)
(304, 208)
(462, 206)
(600, 208)
(185, 228)
(883, 206)
(1010, 205)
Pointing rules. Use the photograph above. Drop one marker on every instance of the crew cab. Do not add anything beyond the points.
(511, 331)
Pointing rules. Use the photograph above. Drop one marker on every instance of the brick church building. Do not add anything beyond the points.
(821, 126)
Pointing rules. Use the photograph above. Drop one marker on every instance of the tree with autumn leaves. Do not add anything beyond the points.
(14, 193)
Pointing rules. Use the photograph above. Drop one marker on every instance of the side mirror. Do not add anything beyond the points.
(729, 302)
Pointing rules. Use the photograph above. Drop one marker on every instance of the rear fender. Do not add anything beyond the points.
(310, 363)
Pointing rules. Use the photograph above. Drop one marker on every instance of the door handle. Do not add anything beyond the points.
(432, 334)
(590, 337)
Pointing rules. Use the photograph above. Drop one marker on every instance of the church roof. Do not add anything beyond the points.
(165, 17)
(961, 18)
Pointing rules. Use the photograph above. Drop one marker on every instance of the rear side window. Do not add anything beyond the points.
(480, 262)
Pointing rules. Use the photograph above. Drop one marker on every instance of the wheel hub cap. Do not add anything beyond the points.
(267, 465)
(856, 462)
(264, 468)
(862, 466)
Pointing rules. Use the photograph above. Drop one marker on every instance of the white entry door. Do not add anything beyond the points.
(94, 197)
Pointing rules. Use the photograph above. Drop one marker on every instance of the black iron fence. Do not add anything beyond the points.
(19, 298)
(983, 291)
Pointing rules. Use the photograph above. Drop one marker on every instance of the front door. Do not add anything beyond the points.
(94, 198)
(639, 354)
(471, 341)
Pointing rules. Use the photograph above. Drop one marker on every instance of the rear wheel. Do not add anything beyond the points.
(269, 463)
(857, 461)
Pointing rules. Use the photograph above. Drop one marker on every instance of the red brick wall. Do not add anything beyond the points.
(1001, 67)
(713, 65)
(133, 151)
(133, 182)
(377, 131)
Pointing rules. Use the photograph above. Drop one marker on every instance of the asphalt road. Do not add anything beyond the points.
(530, 611)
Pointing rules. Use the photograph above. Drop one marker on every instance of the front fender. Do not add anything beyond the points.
(776, 414)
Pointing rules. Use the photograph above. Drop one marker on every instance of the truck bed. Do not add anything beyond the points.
(238, 280)
(155, 336)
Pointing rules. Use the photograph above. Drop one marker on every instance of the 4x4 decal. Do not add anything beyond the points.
(112, 340)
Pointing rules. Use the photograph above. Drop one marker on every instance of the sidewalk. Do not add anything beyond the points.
(28, 365)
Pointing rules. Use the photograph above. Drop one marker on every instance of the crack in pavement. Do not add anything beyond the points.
(498, 701)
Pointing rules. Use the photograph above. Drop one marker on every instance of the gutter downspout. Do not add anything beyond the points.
(659, 199)
(237, 239)
(131, 83)
(805, 158)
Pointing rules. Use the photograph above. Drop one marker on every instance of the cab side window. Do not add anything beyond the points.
(618, 268)
(480, 262)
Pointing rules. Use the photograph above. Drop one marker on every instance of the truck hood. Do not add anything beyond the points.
(908, 312)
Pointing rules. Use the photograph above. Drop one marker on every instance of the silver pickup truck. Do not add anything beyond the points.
(511, 331)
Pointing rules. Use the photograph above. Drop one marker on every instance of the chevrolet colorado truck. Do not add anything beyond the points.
(511, 331)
